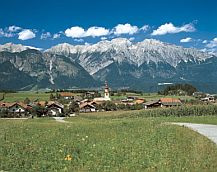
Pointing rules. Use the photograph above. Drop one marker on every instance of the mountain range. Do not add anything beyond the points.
(124, 64)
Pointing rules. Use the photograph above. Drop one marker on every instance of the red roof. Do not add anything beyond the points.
(170, 100)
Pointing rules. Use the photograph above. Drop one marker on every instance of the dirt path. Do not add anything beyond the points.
(208, 130)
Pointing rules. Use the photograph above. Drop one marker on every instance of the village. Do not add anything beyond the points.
(69, 104)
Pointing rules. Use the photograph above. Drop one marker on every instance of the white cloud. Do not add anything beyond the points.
(9, 35)
(132, 39)
(186, 40)
(125, 29)
(75, 32)
(144, 28)
(97, 31)
(205, 42)
(26, 34)
(30, 47)
(170, 28)
(14, 28)
(78, 40)
(1, 32)
(45, 35)
(56, 35)
(103, 38)
(79, 32)
(87, 43)
(212, 43)
(5, 34)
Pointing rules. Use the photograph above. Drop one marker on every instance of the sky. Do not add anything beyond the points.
(45, 23)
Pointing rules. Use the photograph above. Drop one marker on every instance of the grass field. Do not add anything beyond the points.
(105, 144)
(21, 96)
(151, 96)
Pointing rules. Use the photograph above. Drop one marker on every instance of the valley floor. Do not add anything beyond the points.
(105, 143)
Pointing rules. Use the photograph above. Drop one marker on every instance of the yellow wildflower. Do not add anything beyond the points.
(68, 158)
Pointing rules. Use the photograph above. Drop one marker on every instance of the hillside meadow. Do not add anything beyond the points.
(109, 143)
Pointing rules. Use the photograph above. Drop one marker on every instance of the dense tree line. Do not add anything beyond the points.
(179, 89)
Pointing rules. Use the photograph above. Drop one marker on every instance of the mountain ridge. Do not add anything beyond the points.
(122, 63)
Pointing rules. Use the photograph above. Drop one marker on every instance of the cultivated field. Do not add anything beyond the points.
(108, 143)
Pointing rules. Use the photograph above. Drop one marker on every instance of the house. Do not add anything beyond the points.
(77, 99)
(54, 108)
(87, 107)
(169, 102)
(152, 104)
(67, 95)
(131, 98)
(4, 107)
(208, 98)
(90, 94)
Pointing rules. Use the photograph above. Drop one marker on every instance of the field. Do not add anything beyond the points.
(42, 96)
(105, 143)
(151, 96)
(21, 96)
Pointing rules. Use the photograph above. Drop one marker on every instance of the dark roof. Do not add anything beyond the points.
(151, 102)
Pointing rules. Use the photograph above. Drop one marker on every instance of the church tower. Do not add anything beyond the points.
(106, 92)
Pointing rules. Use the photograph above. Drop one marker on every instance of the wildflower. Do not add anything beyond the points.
(68, 158)
(83, 139)
(86, 136)
(94, 145)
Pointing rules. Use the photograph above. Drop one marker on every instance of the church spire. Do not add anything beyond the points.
(106, 92)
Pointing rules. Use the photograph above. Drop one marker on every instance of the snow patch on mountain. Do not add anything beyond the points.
(10, 47)
(98, 56)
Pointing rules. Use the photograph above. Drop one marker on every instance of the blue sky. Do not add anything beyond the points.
(44, 23)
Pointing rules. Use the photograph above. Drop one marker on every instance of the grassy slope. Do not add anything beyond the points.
(125, 144)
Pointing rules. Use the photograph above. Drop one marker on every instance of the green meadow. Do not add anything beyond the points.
(21, 96)
(105, 143)
(42, 96)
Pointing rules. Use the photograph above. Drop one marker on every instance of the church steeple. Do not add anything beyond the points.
(106, 92)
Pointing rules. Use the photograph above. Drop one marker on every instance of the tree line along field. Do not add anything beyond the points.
(105, 144)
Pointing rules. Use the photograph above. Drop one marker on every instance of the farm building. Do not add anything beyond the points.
(67, 95)
(54, 109)
(152, 104)
(169, 102)
(87, 107)
(15, 109)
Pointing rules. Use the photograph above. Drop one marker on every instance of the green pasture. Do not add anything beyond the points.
(105, 143)
(21, 96)
(151, 96)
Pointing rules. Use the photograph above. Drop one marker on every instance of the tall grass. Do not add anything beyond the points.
(142, 144)
(181, 111)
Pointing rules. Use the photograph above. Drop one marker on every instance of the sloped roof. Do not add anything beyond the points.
(86, 104)
(55, 103)
(66, 94)
(8, 105)
(170, 101)
(151, 102)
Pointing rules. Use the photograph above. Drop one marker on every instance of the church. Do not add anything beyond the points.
(106, 95)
